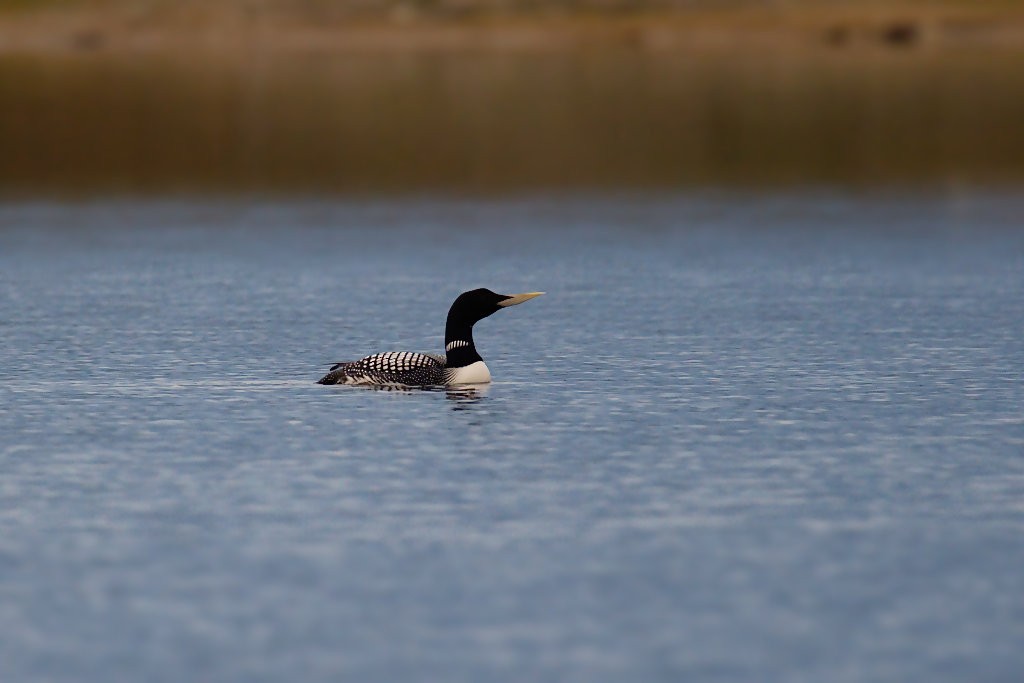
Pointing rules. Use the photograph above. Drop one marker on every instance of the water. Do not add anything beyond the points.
(740, 438)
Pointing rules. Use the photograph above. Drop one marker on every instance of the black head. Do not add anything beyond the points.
(475, 305)
(468, 309)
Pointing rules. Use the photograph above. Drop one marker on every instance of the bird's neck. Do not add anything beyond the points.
(458, 345)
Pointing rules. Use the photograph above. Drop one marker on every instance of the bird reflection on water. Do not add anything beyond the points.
(465, 395)
(462, 395)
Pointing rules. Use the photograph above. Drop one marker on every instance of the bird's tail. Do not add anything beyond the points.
(337, 374)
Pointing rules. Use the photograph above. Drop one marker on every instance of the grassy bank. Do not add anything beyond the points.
(292, 98)
(83, 26)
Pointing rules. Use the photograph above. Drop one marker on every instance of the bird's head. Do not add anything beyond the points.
(477, 304)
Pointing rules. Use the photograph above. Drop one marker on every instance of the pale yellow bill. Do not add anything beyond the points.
(514, 299)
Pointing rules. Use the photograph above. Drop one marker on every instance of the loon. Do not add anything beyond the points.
(461, 363)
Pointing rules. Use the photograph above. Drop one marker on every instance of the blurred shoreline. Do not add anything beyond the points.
(162, 26)
(274, 97)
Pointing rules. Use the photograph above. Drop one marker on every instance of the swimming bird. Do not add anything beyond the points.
(461, 363)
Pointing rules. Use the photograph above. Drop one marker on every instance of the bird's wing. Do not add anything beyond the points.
(395, 367)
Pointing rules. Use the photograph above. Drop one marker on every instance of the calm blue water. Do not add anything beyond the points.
(741, 437)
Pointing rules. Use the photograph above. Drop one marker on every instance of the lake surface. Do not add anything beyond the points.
(741, 437)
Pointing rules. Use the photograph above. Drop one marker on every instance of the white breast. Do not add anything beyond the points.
(476, 373)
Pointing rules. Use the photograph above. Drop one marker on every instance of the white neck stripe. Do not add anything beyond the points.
(455, 344)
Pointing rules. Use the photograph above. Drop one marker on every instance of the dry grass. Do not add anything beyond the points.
(83, 26)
